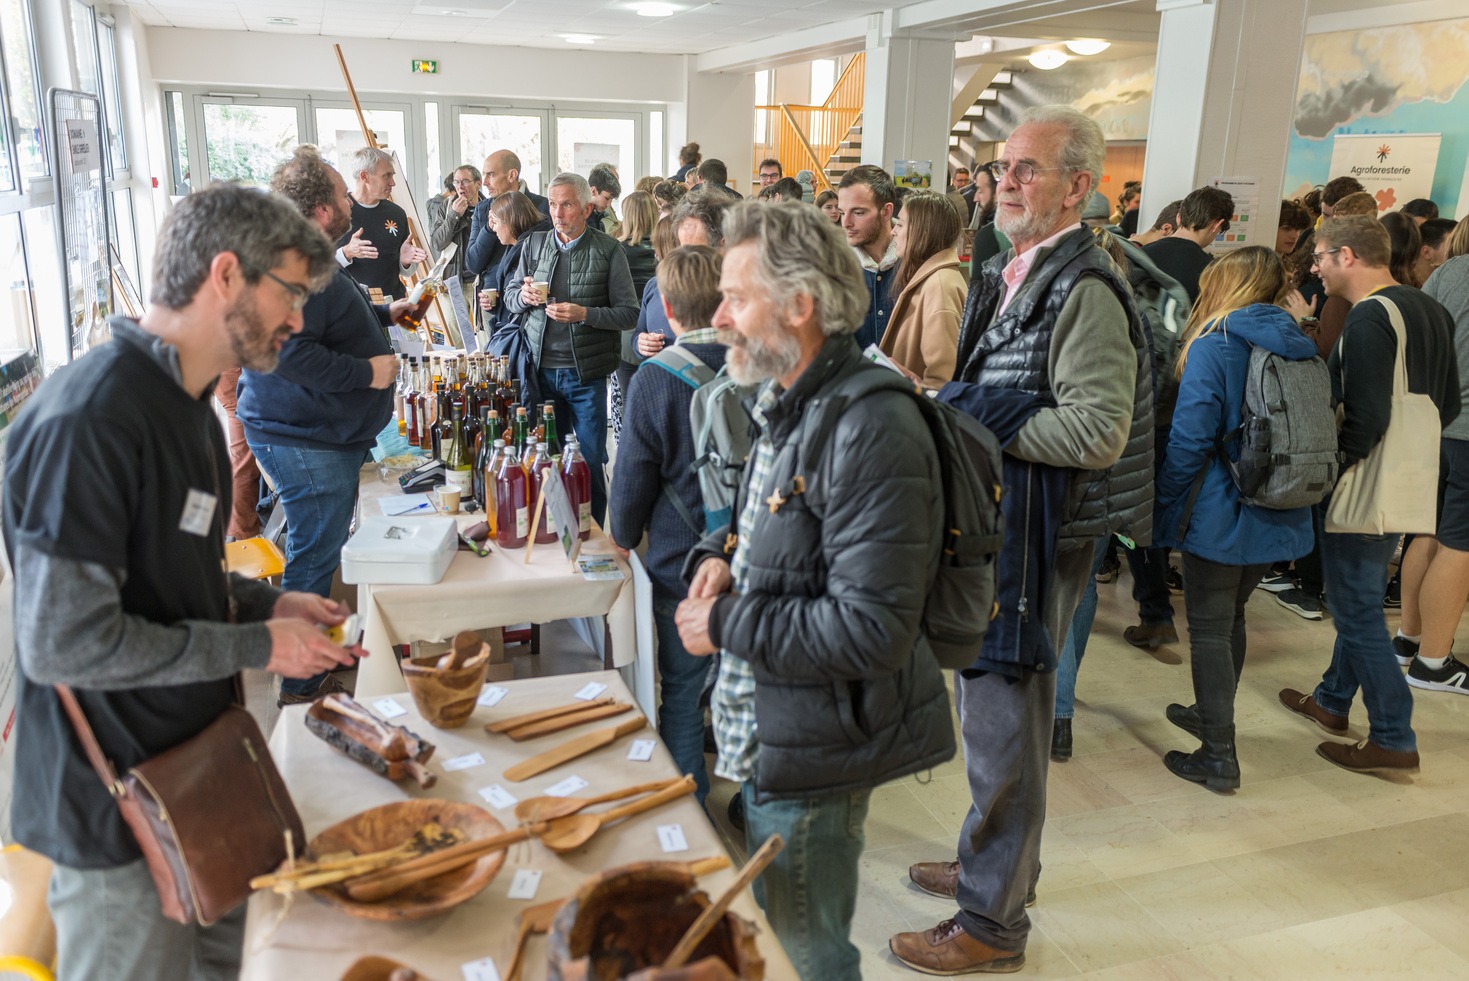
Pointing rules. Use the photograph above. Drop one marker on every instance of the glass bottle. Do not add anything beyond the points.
(548, 431)
(443, 425)
(420, 297)
(543, 470)
(458, 464)
(400, 391)
(411, 405)
(522, 428)
(578, 481)
(491, 473)
(513, 509)
(481, 447)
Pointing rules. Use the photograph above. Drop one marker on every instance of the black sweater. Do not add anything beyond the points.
(1368, 351)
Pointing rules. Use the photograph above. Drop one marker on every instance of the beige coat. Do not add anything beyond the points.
(923, 333)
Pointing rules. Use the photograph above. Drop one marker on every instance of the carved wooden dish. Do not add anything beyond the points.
(391, 824)
(445, 697)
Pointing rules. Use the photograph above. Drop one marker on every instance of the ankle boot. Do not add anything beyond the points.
(1213, 764)
(1186, 717)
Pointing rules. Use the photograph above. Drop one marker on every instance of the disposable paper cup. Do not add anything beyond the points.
(493, 296)
(543, 290)
(449, 498)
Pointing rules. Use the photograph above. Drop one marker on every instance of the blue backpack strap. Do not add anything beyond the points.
(683, 365)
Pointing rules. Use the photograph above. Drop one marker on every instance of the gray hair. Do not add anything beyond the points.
(1084, 149)
(473, 171)
(367, 159)
(799, 251)
(576, 182)
(708, 208)
(258, 227)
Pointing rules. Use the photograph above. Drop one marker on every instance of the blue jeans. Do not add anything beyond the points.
(582, 407)
(1355, 570)
(1068, 662)
(318, 489)
(809, 893)
(680, 683)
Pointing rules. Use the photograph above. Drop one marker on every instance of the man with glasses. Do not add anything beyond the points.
(770, 171)
(455, 224)
(1053, 358)
(115, 500)
(312, 421)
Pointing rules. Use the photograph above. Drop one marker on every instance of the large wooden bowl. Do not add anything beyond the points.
(390, 825)
(445, 698)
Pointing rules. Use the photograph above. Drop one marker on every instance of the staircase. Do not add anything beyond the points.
(848, 155)
(824, 139)
(989, 97)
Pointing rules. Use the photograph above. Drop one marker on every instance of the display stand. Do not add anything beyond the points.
(78, 155)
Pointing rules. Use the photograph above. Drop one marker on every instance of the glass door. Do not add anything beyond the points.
(481, 130)
(245, 139)
(339, 135)
(585, 139)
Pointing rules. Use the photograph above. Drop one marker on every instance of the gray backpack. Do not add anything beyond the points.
(1287, 435)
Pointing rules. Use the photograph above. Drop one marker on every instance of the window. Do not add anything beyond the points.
(823, 79)
(582, 142)
(47, 293)
(339, 136)
(762, 98)
(246, 143)
(17, 313)
(178, 161)
(431, 133)
(656, 163)
(124, 235)
(82, 27)
(25, 94)
(482, 133)
(111, 94)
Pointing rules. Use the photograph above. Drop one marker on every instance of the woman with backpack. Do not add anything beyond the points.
(1227, 544)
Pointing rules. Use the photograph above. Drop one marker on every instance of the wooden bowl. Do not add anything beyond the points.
(391, 824)
(372, 968)
(445, 698)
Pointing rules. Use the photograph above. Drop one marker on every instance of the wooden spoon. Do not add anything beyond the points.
(547, 808)
(377, 885)
(533, 919)
(570, 833)
(716, 910)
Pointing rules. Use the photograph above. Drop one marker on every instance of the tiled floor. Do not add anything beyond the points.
(1307, 871)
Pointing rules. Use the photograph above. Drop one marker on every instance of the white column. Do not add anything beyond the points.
(907, 93)
(719, 115)
(1224, 100)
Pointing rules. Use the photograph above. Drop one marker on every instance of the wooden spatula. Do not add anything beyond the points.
(572, 749)
(571, 719)
(516, 721)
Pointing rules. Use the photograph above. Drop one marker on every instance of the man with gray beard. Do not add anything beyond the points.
(1053, 359)
(826, 686)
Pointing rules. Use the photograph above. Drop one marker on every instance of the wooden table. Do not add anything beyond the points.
(314, 941)
(494, 591)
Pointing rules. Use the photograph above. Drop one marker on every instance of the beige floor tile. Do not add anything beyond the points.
(1442, 917)
(895, 817)
(1138, 774)
(1125, 841)
(1072, 788)
(948, 799)
(1199, 904)
(1064, 865)
(1217, 826)
(1101, 926)
(1172, 967)
(1372, 944)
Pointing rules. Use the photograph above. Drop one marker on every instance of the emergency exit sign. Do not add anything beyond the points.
(426, 67)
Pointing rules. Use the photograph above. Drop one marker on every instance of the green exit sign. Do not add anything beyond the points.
(426, 67)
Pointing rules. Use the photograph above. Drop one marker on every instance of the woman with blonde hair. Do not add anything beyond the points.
(639, 218)
(923, 333)
(1227, 545)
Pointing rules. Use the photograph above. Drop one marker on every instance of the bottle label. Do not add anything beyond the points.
(584, 515)
(461, 479)
(522, 522)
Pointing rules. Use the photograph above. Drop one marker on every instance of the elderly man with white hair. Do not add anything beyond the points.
(377, 251)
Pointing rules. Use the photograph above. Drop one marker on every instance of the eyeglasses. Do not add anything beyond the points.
(1024, 172)
(1316, 257)
(299, 293)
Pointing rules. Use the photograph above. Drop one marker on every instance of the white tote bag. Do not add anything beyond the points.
(1394, 488)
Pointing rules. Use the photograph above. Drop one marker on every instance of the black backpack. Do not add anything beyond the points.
(961, 600)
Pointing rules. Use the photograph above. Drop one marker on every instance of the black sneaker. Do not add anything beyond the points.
(736, 811)
(1404, 649)
(1276, 582)
(1453, 676)
(1174, 578)
(1301, 603)
(1109, 569)
(1393, 598)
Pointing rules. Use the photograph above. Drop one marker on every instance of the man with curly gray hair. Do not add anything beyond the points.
(827, 687)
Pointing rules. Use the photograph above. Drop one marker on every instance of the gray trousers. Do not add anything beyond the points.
(1006, 728)
(109, 925)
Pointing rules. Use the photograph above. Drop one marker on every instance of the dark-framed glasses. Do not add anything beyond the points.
(1316, 257)
(299, 294)
(1024, 171)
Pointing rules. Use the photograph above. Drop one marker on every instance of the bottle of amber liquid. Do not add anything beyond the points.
(412, 408)
(400, 391)
(421, 296)
(578, 480)
(512, 526)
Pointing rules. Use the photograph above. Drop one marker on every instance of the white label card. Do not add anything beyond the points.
(498, 797)
(591, 691)
(566, 787)
(670, 837)
(526, 882)
(492, 695)
(389, 708)
(480, 970)
(464, 762)
(198, 513)
(642, 750)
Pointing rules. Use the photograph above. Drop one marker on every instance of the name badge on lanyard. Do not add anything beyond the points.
(198, 516)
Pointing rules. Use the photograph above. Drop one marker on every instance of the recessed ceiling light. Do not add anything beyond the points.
(1047, 59)
(281, 21)
(580, 39)
(1087, 46)
(655, 10)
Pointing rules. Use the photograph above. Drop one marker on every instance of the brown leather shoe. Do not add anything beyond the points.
(948, 950)
(1368, 757)
(1305, 705)
(939, 879)
(1151, 635)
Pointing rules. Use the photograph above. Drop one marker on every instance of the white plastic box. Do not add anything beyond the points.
(403, 550)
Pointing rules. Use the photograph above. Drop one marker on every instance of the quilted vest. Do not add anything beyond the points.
(1013, 351)
(597, 352)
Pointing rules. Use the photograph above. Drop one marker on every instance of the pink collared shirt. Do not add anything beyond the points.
(1019, 267)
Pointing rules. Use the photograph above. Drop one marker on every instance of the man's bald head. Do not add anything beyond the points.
(502, 173)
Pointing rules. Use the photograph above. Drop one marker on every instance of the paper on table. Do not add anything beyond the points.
(598, 567)
(407, 504)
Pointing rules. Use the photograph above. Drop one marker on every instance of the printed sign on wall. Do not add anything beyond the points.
(1394, 168)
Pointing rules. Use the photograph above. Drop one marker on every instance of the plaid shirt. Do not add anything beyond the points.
(704, 335)
(733, 701)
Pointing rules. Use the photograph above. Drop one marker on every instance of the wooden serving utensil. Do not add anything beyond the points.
(384, 882)
(572, 749)
(547, 726)
(467, 644)
(535, 809)
(515, 722)
(570, 833)
(712, 914)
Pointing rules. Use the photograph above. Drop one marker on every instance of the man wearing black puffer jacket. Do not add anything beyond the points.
(826, 687)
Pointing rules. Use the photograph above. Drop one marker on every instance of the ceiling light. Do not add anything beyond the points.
(281, 21)
(1047, 59)
(580, 39)
(1087, 46)
(655, 10)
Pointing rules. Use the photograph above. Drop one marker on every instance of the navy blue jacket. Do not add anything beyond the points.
(651, 318)
(657, 447)
(1210, 396)
(879, 307)
(484, 245)
(498, 275)
(321, 394)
